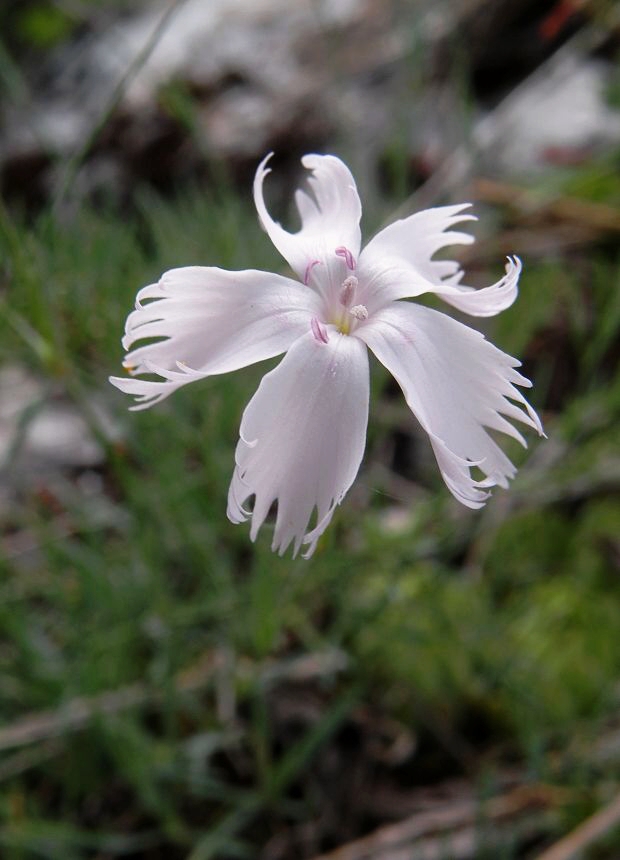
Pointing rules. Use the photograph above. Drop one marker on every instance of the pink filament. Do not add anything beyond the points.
(319, 331)
(309, 269)
(347, 256)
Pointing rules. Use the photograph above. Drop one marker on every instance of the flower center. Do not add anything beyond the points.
(340, 309)
(347, 313)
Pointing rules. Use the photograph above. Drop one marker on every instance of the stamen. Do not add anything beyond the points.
(318, 330)
(360, 312)
(308, 272)
(347, 257)
(347, 290)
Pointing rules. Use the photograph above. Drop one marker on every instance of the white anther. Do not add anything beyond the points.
(360, 312)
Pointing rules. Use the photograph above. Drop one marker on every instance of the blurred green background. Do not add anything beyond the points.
(170, 690)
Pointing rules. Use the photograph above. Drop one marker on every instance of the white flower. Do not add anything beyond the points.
(303, 433)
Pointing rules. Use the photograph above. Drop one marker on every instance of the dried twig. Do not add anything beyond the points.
(77, 713)
(595, 216)
(587, 834)
(456, 824)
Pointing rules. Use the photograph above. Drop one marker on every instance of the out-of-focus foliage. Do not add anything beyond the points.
(41, 25)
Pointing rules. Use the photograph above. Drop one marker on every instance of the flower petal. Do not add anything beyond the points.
(302, 439)
(488, 301)
(397, 263)
(330, 212)
(457, 384)
(210, 321)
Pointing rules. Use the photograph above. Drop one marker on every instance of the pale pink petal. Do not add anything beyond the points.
(146, 392)
(488, 301)
(330, 212)
(458, 385)
(209, 321)
(398, 262)
(302, 439)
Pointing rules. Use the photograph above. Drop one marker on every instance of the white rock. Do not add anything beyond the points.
(558, 113)
(45, 434)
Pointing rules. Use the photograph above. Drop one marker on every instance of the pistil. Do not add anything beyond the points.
(350, 312)
(347, 290)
